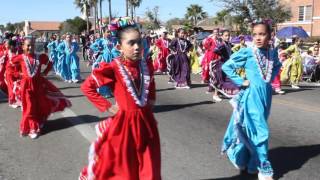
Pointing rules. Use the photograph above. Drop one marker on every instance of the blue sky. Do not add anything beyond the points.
(59, 10)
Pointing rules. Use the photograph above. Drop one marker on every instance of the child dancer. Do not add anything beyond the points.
(180, 65)
(218, 80)
(12, 75)
(39, 97)
(53, 56)
(246, 139)
(128, 144)
(295, 69)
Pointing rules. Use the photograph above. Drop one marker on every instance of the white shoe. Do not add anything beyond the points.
(69, 81)
(185, 87)
(216, 99)
(75, 81)
(171, 82)
(262, 177)
(295, 87)
(279, 91)
(13, 106)
(33, 135)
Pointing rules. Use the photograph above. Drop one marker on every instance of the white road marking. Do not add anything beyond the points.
(85, 130)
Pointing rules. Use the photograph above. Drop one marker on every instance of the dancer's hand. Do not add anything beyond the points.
(113, 109)
(245, 83)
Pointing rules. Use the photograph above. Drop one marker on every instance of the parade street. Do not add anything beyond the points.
(191, 129)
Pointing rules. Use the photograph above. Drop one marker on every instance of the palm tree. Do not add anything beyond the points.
(195, 13)
(84, 6)
(110, 13)
(134, 4)
(127, 7)
(100, 22)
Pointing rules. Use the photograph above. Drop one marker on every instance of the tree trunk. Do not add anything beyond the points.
(88, 27)
(100, 22)
(95, 18)
(127, 7)
(131, 9)
(110, 13)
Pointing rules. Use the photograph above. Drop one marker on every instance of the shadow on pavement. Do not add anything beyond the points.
(73, 96)
(64, 123)
(173, 107)
(167, 89)
(283, 160)
(288, 91)
(69, 87)
(242, 176)
(286, 159)
(198, 85)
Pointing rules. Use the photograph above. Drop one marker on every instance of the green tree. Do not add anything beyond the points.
(2, 27)
(133, 5)
(195, 13)
(76, 25)
(175, 21)
(152, 16)
(247, 10)
(84, 6)
(15, 27)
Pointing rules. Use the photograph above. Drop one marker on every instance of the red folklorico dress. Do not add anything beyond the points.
(13, 79)
(209, 45)
(3, 63)
(39, 97)
(160, 63)
(128, 144)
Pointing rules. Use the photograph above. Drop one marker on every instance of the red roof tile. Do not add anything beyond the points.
(45, 25)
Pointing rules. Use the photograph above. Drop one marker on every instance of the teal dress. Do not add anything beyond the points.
(246, 139)
(53, 55)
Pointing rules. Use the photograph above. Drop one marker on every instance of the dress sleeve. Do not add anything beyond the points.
(276, 64)
(94, 46)
(76, 47)
(50, 45)
(173, 45)
(290, 49)
(152, 86)
(45, 60)
(236, 61)
(207, 43)
(61, 48)
(104, 75)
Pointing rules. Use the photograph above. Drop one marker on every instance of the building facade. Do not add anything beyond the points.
(41, 28)
(305, 14)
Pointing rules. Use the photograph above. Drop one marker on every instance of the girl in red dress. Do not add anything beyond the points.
(12, 75)
(39, 97)
(128, 144)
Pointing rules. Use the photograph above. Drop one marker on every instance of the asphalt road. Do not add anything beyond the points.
(191, 129)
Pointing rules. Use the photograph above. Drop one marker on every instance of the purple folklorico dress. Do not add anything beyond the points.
(218, 79)
(180, 64)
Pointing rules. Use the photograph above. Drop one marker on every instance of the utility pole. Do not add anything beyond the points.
(312, 14)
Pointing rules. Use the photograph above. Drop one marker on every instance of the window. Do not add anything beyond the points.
(305, 13)
(301, 13)
(308, 13)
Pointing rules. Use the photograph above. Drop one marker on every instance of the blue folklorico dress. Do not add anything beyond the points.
(109, 52)
(246, 139)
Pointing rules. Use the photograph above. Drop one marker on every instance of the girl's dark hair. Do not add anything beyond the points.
(295, 39)
(268, 26)
(126, 29)
(224, 30)
(12, 42)
(181, 29)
